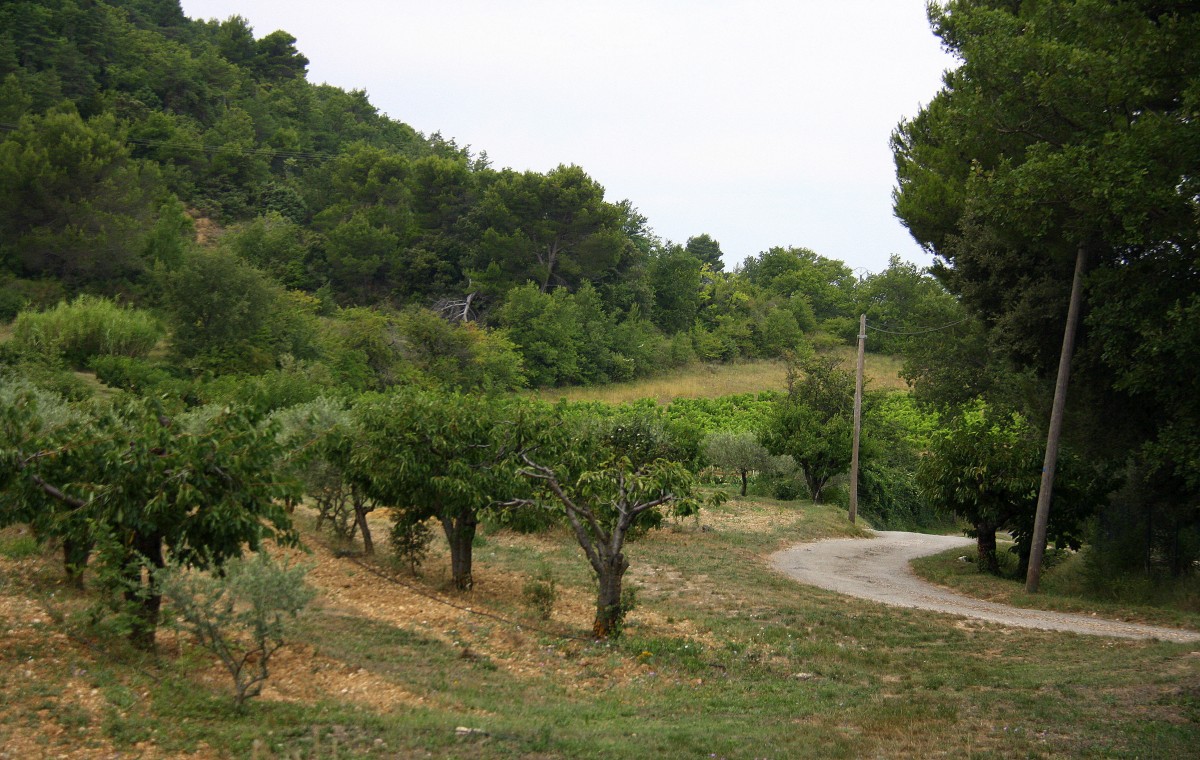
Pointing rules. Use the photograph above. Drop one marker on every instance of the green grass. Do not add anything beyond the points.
(18, 544)
(766, 668)
(1061, 589)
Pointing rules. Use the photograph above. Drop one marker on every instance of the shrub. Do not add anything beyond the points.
(85, 328)
(128, 373)
(410, 541)
(240, 613)
(540, 593)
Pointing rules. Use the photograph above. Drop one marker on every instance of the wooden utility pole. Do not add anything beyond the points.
(858, 390)
(1041, 520)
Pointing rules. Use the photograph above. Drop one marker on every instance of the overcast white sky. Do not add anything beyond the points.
(759, 122)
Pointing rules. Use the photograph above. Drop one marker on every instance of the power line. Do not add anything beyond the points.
(916, 332)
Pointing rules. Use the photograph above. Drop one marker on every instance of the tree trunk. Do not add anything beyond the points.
(460, 534)
(609, 614)
(743, 472)
(815, 486)
(360, 518)
(144, 597)
(368, 544)
(985, 540)
(75, 559)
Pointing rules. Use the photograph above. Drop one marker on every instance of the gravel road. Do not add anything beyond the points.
(877, 569)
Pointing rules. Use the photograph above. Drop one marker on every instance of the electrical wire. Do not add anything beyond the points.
(915, 332)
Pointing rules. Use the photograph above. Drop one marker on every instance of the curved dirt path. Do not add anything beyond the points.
(877, 569)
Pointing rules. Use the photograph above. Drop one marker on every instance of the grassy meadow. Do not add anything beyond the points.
(716, 380)
(722, 657)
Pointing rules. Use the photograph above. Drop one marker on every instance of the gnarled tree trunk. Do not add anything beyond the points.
(610, 571)
(460, 534)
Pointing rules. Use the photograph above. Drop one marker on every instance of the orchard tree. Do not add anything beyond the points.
(437, 454)
(740, 452)
(319, 438)
(610, 478)
(814, 423)
(139, 485)
(985, 465)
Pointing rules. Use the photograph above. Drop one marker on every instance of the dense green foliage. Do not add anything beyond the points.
(134, 484)
(1069, 131)
(131, 134)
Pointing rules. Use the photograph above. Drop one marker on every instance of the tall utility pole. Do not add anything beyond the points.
(1042, 518)
(858, 389)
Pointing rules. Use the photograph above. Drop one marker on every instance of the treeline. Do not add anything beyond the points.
(1067, 141)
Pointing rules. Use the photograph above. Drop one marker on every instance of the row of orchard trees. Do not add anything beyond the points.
(203, 470)
(194, 475)
(123, 487)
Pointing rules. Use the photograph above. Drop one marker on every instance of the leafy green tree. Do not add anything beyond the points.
(554, 229)
(436, 454)
(222, 311)
(828, 284)
(740, 452)
(610, 478)
(984, 465)
(140, 485)
(903, 304)
(276, 58)
(73, 204)
(675, 276)
(459, 355)
(707, 250)
(546, 329)
(275, 245)
(318, 439)
(814, 423)
(1066, 136)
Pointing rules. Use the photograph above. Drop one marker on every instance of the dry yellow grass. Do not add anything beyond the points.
(716, 380)
(697, 381)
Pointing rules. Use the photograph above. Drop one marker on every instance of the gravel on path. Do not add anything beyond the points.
(877, 569)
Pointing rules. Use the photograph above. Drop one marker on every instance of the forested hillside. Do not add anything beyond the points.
(147, 156)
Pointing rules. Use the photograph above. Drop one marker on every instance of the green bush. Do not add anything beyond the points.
(85, 328)
(240, 612)
(410, 541)
(128, 373)
(540, 593)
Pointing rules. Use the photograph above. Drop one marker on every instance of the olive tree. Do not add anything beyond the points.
(740, 452)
